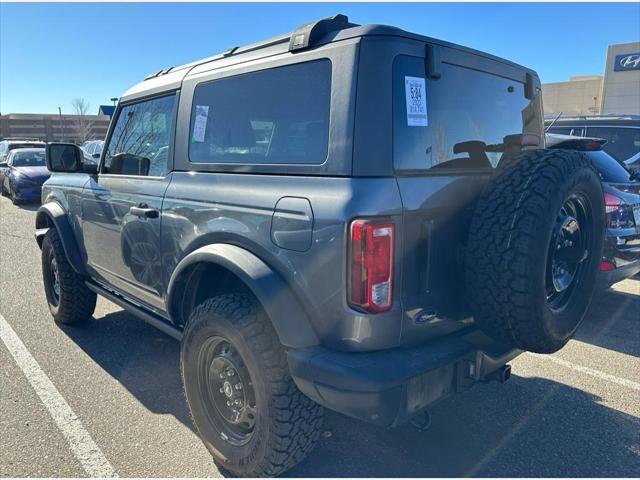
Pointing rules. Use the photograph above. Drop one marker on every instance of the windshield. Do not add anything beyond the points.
(29, 159)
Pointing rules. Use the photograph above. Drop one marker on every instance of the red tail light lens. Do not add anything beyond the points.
(370, 268)
(606, 266)
(611, 202)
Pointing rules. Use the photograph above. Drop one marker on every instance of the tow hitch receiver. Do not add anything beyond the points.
(501, 375)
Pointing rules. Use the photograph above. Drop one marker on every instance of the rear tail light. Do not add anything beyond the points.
(611, 202)
(370, 265)
(605, 265)
(619, 213)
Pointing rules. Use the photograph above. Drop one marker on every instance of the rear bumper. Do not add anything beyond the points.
(609, 277)
(388, 387)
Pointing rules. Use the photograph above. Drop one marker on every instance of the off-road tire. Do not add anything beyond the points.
(508, 249)
(75, 303)
(287, 423)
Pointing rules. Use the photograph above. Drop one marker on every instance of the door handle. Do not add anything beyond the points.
(144, 211)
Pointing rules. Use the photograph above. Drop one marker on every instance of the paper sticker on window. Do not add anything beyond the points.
(200, 124)
(415, 92)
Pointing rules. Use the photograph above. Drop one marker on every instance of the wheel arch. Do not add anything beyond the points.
(52, 215)
(234, 268)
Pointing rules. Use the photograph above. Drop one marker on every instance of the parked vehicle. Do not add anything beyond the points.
(633, 163)
(621, 187)
(351, 217)
(92, 150)
(622, 132)
(23, 174)
(7, 145)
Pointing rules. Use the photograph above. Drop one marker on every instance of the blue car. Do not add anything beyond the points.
(23, 173)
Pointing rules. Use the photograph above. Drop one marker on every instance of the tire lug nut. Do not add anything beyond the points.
(238, 386)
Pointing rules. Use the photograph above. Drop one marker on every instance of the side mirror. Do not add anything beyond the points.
(96, 155)
(3, 164)
(64, 157)
(90, 168)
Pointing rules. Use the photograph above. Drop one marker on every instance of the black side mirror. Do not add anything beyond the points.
(90, 168)
(3, 164)
(64, 157)
(96, 155)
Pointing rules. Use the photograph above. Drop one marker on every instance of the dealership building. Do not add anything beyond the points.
(56, 127)
(617, 91)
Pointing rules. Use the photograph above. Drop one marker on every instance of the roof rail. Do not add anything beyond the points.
(158, 73)
(307, 35)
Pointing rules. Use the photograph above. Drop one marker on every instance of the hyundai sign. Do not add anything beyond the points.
(627, 61)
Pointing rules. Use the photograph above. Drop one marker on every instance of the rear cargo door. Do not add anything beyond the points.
(453, 122)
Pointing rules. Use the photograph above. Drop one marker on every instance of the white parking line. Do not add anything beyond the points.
(590, 371)
(82, 445)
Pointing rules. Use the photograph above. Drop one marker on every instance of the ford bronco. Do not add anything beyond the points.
(348, 217)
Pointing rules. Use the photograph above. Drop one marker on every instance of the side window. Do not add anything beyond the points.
(465, 119)
(274, 116)
(139, 144)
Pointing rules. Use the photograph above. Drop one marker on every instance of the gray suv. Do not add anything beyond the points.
(351, 217)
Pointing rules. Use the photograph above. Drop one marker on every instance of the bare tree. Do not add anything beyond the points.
(81, 124)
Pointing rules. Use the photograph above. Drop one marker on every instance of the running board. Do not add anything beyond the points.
(151, 319)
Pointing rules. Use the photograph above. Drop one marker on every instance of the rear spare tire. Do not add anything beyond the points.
(534, 249)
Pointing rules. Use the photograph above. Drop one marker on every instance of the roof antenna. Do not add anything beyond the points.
(551, 124)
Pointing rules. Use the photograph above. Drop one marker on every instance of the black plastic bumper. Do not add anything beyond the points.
(388, 387)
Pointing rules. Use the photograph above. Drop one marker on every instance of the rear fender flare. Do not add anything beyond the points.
(287, 316)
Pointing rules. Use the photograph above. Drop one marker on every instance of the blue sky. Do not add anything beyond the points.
(52, 53)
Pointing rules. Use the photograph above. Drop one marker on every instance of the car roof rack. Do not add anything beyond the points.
(307, 34)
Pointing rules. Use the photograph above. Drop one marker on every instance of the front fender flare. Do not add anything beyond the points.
(52, 213)
(289, 319)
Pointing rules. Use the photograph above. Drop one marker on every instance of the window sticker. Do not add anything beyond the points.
(415, 92)
(200, 124)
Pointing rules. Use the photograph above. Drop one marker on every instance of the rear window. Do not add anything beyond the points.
(622, 142)
(460, 120)
(609, 168)
(574, 131)
(275, 116)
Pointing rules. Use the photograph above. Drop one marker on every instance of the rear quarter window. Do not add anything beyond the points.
(275, 116)
(468, 115)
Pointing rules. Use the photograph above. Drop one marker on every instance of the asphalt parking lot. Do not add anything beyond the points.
(576, 413)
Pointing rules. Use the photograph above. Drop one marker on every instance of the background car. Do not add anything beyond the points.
(622, 132)
(92, 150)
(24, 172)
(10, 144)
(621, 254)
(633, 163)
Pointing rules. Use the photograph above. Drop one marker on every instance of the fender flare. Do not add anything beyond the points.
(52, 213)
(291, 322)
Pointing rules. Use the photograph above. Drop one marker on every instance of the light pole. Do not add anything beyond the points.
(114, 100)
(61, 123)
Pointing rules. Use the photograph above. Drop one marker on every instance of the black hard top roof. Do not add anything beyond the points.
(309, 35)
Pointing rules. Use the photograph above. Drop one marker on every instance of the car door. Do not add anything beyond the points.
(4, 173)
(121, 205)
